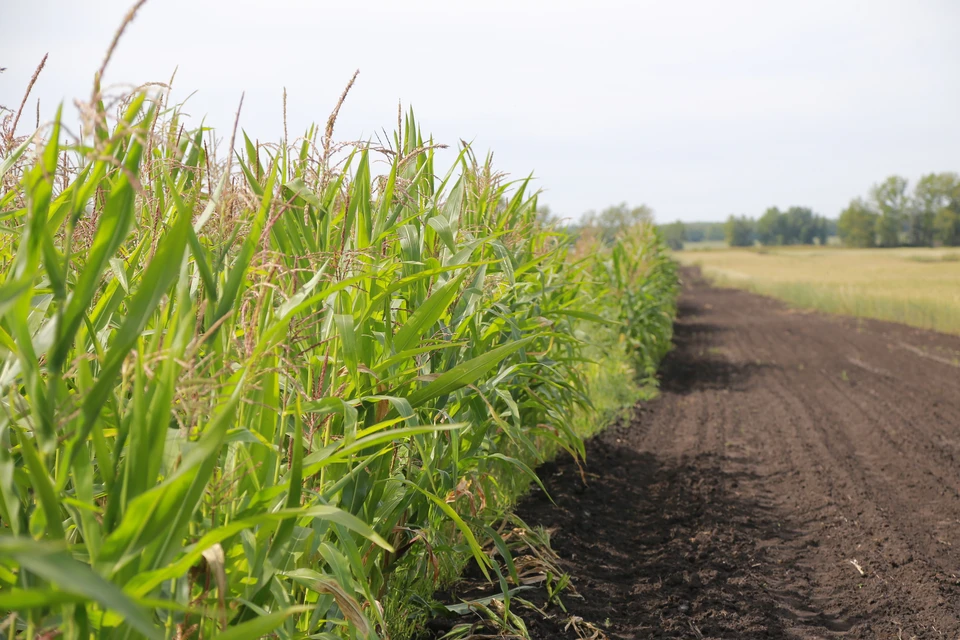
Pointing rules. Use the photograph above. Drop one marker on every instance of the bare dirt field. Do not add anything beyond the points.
(798, 477)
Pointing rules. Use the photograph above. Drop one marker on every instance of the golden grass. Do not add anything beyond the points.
(914, 286)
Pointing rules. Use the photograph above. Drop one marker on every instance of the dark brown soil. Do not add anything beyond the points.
(798, 477)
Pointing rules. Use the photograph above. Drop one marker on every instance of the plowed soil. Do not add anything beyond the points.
(798, 477)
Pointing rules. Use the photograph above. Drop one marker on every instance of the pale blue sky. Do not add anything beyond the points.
(699, 109)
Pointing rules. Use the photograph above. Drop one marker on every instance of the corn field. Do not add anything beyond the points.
(287, 392)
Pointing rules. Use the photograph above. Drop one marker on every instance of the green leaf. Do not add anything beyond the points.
(348, 340)
(337, 451)
(114, 224)
(163, 512)
(471, 539)
(23, 599)
(525, 468)
(425, 316)
(465, 373)
(585, 315)
(53, 563)
(154, 284)
(298, 188)
(144, 583)
(260, 626)
(233, 287)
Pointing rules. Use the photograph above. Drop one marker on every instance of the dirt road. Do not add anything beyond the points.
(799, 477)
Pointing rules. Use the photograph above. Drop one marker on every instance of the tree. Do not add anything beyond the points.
(934, 193)
(739, 231)
(823, 231)
(801, 226)
(796, 225)
(674, 234)
(716, 232)
(546, 217)
(710, 231)
(892, 203)
(857, 225)
(621, 217)
(770, 227)
(618, 218)
(946, 224)
(831, 227)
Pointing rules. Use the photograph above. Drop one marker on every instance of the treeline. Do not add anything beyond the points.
(677, 233)
(796, 225)
(606, 225)
(704, 232)
(892, 215)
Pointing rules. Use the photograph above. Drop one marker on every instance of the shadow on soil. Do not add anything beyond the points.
(659, 549)
(694, 366)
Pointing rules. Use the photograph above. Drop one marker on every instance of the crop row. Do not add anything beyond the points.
(274, 393)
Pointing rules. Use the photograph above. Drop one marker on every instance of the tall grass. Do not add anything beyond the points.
(265, 394)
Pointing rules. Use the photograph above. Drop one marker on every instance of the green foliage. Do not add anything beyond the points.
(770, 229)
(796, 225)
(946, 224)
(674, 235)
(739, 231)
(617, 219)
(639, 273)
(251, 402)
(936, 207)
(891, 202)
(704, 231)
(892, 216)
(857, 225)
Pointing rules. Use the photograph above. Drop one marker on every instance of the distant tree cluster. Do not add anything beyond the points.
(892, 216)
(704, 232)
(605, 225)
(610, 222)
(738, 231)
(674, 234)
(677, 233)
(796, 225)
(617, 218)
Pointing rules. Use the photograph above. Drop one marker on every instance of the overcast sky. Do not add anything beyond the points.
(699, 109)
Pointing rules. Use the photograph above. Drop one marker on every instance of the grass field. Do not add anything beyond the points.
(705, 245)
(919, 287)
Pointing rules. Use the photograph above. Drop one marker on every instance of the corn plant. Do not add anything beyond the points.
(242, 395)
(638, 273)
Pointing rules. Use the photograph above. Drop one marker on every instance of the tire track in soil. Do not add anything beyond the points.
(784, 446)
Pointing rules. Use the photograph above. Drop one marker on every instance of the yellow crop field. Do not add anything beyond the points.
(915, 286)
